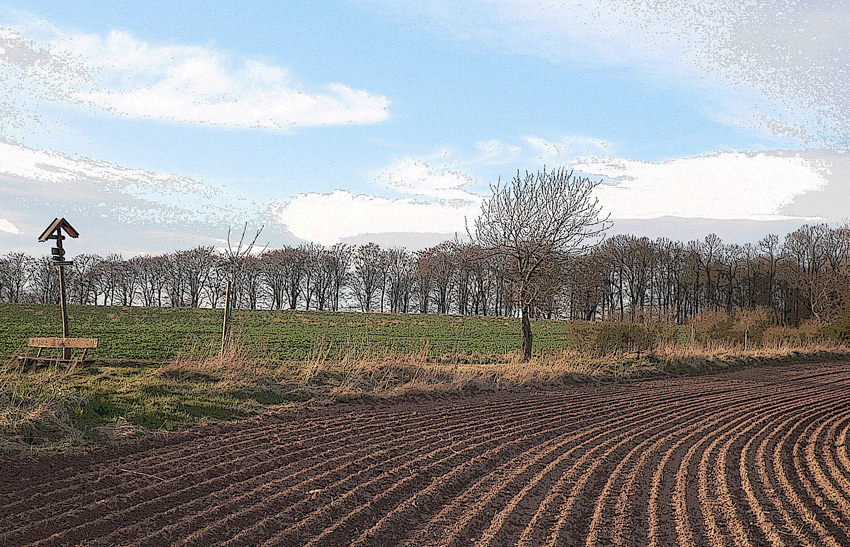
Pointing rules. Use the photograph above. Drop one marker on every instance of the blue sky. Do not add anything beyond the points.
(155, 126)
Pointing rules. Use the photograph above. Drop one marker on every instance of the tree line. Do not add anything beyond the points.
(804, 277)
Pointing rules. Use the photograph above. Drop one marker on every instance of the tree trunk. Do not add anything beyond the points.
(525, 312)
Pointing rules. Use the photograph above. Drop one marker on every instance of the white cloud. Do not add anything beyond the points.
(414, 177)
(328, 218)
(125, 76)
(438, 196)
(8, 227)
(495, 152)
(561, 153)
(778, 66)
(726, 185)
(720, 186)
(50, 179)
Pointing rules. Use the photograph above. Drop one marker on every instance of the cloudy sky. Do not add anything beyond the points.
(154, 126)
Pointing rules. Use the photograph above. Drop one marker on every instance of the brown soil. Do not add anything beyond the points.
(751, 457)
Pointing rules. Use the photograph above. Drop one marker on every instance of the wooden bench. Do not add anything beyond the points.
(84, 344)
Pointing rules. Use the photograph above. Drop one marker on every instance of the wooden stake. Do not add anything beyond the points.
(225, 328)
(63, 304)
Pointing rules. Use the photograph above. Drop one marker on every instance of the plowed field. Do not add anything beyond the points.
(751, 457)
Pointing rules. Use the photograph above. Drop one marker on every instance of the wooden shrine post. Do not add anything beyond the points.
(57, 253)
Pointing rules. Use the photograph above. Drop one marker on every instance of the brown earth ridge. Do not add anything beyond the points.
(751, 457)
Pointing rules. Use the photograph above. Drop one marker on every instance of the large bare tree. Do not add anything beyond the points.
(534, 220)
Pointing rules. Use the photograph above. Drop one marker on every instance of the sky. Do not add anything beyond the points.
(155, 126)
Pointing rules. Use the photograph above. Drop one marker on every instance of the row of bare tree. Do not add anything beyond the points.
(806, 276)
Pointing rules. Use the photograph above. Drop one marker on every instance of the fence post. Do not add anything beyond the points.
(225, 328)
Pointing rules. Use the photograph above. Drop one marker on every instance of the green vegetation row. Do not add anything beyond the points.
(134, 333)
(159, 334)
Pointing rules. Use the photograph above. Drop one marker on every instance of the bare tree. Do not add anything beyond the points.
(239, 260)
(196, 265)
(106, 275)
(152, 278)
(323, 277)
(45, 281)
(17, 269)
(368, 266)
(215, 287)
(400, 279)
(533, 220)
(311, 281)
(443, 269)
(423, 278)
(338, 264)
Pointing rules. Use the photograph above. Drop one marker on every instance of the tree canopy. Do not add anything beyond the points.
(536, 222)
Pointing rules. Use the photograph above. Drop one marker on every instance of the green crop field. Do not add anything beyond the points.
(163, 333)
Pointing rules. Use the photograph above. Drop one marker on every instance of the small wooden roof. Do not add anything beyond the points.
(58, 223)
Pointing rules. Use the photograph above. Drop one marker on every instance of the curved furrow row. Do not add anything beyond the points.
(759, 492)
(161, 466)
(723, 502)
(540, 498)
(626, 513)
(663, 499)
(172, 448)
(159, 461)
(689, 479)
(279, 505)
(227, 508)
(205, 472)
(246, 495)
(772, 491)
(825, 521)
(425, 467)
(829, 456)
(831, 502)
(804, 522)
(485, 503)
(343, 441)
(694, 505)
(633, 519)
(656, 426)
(529, 536)
(342, 471)
(676, 463)
(66, 483)
(277, 516)
(841, 454)
(148, 501)
(729, 486)
(561, 512)
(765, 491)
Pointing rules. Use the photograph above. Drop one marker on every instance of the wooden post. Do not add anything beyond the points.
(54, 231)
(225, 328)
(63, 304)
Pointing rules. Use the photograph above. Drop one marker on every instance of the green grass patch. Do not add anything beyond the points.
(129, 333)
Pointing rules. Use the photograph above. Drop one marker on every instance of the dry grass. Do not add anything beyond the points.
(713, 355)
(236, 362)
(392, 375)
(35, 408)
